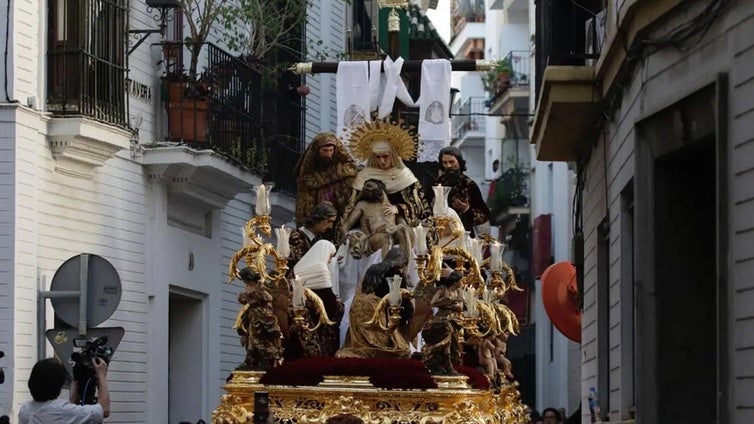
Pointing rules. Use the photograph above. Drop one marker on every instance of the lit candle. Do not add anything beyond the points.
(420, 234)
(496, 257)
(475, 248)
(394, 296)
(283, 248)
(245, 237)
(299, 300)
(470, 300)
(263, 202)
(440, 205)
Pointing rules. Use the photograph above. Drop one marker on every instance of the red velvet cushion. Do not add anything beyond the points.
(383, 373)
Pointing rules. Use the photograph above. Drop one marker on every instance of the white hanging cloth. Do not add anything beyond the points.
(434, 107)
(376, 84)
(351, 82)
(394, 87)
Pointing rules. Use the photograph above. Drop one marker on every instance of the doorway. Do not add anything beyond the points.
(186, 364)
(680, 244)
(685, 284)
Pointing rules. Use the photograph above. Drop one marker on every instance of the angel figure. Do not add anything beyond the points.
(442, 333)
(257, 324)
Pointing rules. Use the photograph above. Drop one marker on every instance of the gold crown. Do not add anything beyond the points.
(395, 133)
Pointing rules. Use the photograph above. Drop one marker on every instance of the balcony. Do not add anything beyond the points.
(509, 82)
(468, 29)
(86, 61)
(469, 122)
(508, 5)
(223, 128)
(567, 113)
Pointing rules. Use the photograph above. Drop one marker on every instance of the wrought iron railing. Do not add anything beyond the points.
(471, 116)
(86, 60)
(518, 72)
(466, 11)
(227, 109)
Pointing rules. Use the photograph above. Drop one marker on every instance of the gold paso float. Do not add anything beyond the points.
(483, 322)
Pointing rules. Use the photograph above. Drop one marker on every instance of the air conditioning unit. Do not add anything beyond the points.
(595, 37)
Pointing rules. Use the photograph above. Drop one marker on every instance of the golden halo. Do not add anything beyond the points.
(399, 136)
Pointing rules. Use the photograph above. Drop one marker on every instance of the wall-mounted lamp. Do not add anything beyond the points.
(161, 9)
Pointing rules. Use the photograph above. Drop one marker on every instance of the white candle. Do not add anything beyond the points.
(299, 300)
(394, 296)
(475, 248)
(470, 299)
(263, 202)
(244, 237)
(496, 257)
(420, 234)
(283, 248)
(440, 205)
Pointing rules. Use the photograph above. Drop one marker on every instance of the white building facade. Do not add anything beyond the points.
(167, 216)
(660, 135)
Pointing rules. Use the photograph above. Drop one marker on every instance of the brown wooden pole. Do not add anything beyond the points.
(408, 66)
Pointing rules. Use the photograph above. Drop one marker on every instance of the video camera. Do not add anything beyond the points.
(83, 366)
(91, 349)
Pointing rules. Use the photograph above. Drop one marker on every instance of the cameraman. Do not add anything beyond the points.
(45, 382)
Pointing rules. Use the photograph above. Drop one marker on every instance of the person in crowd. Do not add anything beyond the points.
(317, 224)
(365, 338)
(575, 418)
(314, 271)
(45, 383)
(552, 416)
(465, 197)
(324, 173)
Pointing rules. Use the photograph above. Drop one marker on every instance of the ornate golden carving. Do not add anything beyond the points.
(394, 133)
(348, 395)
(230, 411)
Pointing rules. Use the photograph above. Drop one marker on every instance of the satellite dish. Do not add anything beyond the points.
(561, 299)
(102, 294)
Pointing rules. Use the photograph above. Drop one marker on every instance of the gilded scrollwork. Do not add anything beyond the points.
(231, 411)
(315, 404)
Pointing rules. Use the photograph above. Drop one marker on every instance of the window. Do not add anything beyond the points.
(87, 59)
(603, 315)
(627, 321)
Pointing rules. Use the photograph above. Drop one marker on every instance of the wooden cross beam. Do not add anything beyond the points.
(409, 66)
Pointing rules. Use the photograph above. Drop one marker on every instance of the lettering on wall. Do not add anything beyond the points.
(139, 91)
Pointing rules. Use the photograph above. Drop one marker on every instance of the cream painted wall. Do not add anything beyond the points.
(667, 76)
(119, 215)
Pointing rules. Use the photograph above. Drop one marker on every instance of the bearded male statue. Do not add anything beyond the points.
(324, 173)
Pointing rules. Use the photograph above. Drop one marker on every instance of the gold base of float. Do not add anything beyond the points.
(452, 402)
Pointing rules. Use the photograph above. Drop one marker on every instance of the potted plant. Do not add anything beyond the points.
(498, 78)
(510, 190)
(185, 90)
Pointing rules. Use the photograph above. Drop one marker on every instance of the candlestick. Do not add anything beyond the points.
(440, 204)
(496, 257)
(420, 234)
(263, 202)
(394, 296)
(283, 248)
(470, 299)
(475, 248)
(299, 300)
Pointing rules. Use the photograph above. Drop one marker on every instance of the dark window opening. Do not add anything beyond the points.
(87, 59)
